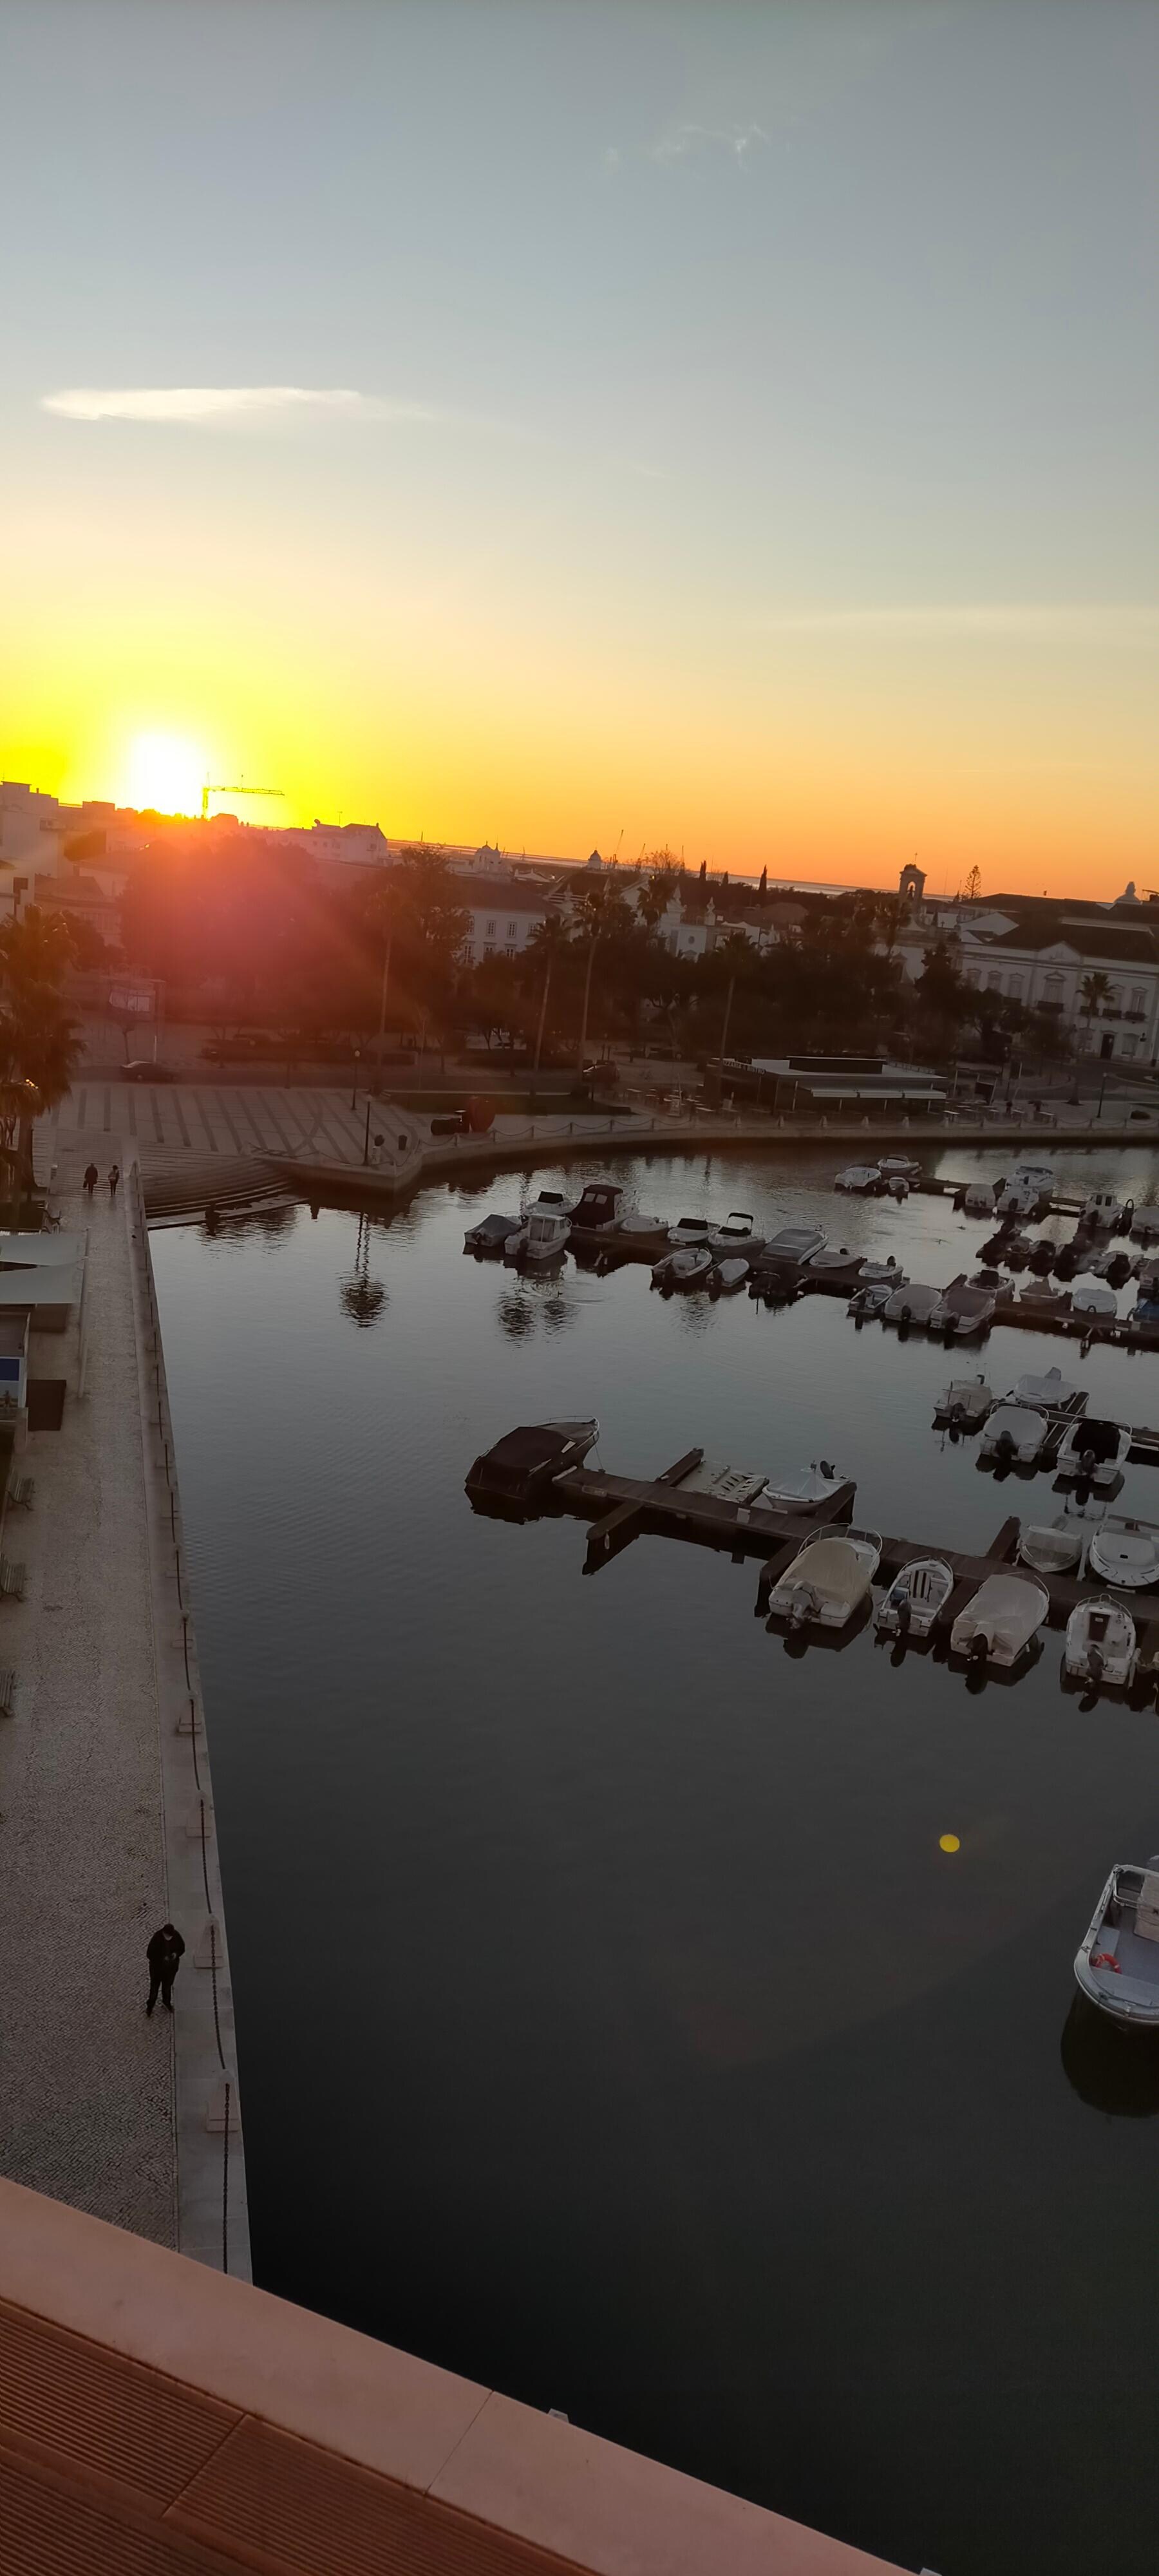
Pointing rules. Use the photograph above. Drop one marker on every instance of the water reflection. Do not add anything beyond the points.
(362, 1297)
(1115, 2071)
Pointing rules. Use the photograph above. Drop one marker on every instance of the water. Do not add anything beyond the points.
(612, 2027)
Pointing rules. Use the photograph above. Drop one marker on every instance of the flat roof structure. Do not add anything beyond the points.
(160, 2419)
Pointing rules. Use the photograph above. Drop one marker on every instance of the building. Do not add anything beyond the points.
(1093, 967)
(504, 916)
(840, 1086)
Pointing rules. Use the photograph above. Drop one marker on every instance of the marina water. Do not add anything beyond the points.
(612, 2026)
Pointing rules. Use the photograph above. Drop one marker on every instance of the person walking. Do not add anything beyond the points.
(114, 1178)
(164, 1954)
(92, 1176)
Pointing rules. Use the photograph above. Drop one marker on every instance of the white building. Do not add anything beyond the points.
(505, 915)
(1094, 967)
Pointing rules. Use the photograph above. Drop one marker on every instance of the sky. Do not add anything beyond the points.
(592, 422)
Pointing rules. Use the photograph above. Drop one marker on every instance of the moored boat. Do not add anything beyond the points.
(490, 1237)
(688, 1230)
(1101, 1644)
(1054, 1547)
(1050, 1392)
(725, 1277)
(1013, 1432)
(913, 1303)
(900, 1167)
(735, 1235)
(523, 1464)
(965, 1402)
(807, 1489)
(1094, 1451)
(601, 1207)
(999, 1626)
(798, 1243)
(1103, 1213)
(963, 1310)
(687, 1269)
(1117, 1966)
(1125, 1553)
(828, 1580)
(978, 1199)
(914, 1598)
(861, 1178)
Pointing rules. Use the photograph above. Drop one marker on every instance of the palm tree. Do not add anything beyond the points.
(39, 1046)
(600, 909)
(550, 942)
(1095, 990)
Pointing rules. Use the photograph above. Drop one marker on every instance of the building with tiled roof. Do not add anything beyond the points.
(1094, 967)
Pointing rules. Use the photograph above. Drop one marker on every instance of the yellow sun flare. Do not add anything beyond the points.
(166, 772)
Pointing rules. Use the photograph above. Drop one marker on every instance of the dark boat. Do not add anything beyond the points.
(524, 1463)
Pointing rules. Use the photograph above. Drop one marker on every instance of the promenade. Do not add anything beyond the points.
(102, 2107)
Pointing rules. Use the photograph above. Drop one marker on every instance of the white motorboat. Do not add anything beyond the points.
(490, 1237)
(861, 1178)
(870, 1301)
(911, 1303)
(979, 1199)
(547, 1233)
(601, 1208)
(634, 1222)
(1101, 1644)
(1019, 1198)
(1036, 1176)
(687, 1269)
(1038, 1292)
(1125, 1553)
(836, 1256)
(1000, 1624)
(914, 1598)
(804, 1492)
(735, 1235)
(796, 1243)
(828, 1580)
(688, 1230)
(900, 1167)
(1102, 1212)
(1117, 1967)
(1050, 1393)
(965, 1402)
(1091, 1298)
(963, 1310)
(1056, 1547)
(1094, 1451)
(875, 1274)
(1013, 1432)
(725, 1277)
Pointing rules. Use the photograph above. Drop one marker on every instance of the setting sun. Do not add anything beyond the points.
(165, 772)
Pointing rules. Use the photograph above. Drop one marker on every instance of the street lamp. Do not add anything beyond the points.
(354, 1078)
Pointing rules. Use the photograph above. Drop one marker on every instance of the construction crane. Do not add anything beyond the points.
(227, 788)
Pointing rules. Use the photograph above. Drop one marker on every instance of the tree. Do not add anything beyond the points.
(550, 943)
(39, 1047)
(1095, 990)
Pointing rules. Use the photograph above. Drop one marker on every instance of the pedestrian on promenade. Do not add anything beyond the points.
(92, 1176)
(114, 1177)
(164, 1955)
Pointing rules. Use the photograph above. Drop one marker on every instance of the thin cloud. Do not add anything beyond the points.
(983, 621)
(738, 141)
(218, 406)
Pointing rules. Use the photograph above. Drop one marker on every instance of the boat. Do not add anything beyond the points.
(1112, 1264)
(900, 1167)
(601, 1208)
(988, 1279)
(548, 1229)
(1016, 1252)
(1102, 1212)
(688, 1230)
(1145, 1223)
(978, 1199)
(1050, 1393)
(965, 1402)
(1036, 1176)
(490, 1237)
(870, 1301)
(1054, 1547)
(687, 1269)
(1000, 1624)
(1013, 1432)
(735, 1235)
(634, 1223)
(807, 1490)
(861, 1178)
(1043, 1255)
(1146, 1312)
(1019, 1198)
(799, 1243)
(1101, 1644)
(1091, 1298)
(873, 1274)
(1094, 1451)
(524, 1463)
(1048, 1300)
(1117, 1967)
(1125, 1553)
(963, 1310)
(828, 1580)
(725, 1277)
(911, 1303)
(914, 1598)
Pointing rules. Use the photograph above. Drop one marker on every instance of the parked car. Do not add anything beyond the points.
(142, 1069)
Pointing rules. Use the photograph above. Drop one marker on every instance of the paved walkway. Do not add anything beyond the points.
(88, 2085)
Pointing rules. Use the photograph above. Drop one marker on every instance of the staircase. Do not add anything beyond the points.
(186, 1184)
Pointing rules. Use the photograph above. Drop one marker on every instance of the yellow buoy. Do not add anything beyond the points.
(948, 1842)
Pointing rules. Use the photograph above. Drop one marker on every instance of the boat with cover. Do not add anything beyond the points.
(687, 1269)
(1036, 1176)
(1145, 1223)
(1117, 1966)
(1000, 1624)
(912, 1303)
(602, 1207)
(490, 1237)
(870, 1301)
(1103, 1212)
(725, 1277)
(798, 1243)
(872, 1274)
(1092, 1298)
(1054, 1547)
(914, 1598)
(1013, 1432)
(1019, 1198)
(634, 1223)
(861, 1178)
(965, 1402)
(1049, 1392)
(828, 1580)
(963, 1310)
(523, 1464)
(1125, 1553)
(1101, 1644)
(688, 1230)
(735, 1235)
(551, 1205)
(900, 1167)
(807, 1490)
(1048, 1300)
(979, 1199)
(1093, 1451)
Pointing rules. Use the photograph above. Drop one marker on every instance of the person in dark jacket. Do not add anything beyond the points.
(114, 1177)
(92, 1176)
(164, 1955)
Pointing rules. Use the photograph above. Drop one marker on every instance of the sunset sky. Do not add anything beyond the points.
(732, 426)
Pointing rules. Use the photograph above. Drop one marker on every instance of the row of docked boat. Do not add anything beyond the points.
(895, 1177)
